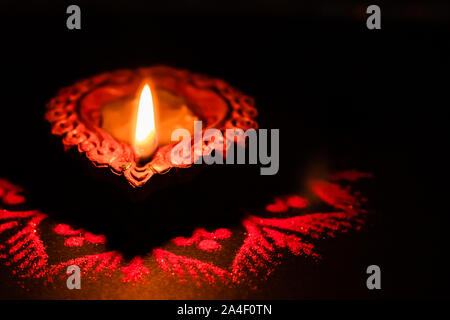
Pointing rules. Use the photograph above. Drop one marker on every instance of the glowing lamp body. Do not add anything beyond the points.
(119, 123)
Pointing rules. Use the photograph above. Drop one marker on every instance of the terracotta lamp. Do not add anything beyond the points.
(123, 120)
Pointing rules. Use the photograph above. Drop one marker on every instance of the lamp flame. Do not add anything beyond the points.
(146, 139)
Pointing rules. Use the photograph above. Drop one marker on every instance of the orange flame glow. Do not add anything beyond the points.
(146, 139)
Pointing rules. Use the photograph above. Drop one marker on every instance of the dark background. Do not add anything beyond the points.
(341, 95)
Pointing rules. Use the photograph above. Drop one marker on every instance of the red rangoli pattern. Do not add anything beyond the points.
(285, 227)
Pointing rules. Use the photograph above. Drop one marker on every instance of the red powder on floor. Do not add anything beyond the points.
(316, 225)
(260, 252)
(203, 239)
(26, 250)
(255, 257)
(209, 245)
(266, 241)
(282, 204)
(13, 199)
(265, 237)
(335, 195)
(6, 214)
(74, 242)
(295, 244)
(184, 267)
(297, 202)
(94, 264)
(350, 175)
(9, 193)
(95, 239)
(135, 270)
(66, 230)
(8, 225)
(278, 206)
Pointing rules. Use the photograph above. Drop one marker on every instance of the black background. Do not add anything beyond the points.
(341, 95)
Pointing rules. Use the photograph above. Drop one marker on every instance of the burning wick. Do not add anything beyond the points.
(146, 139)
